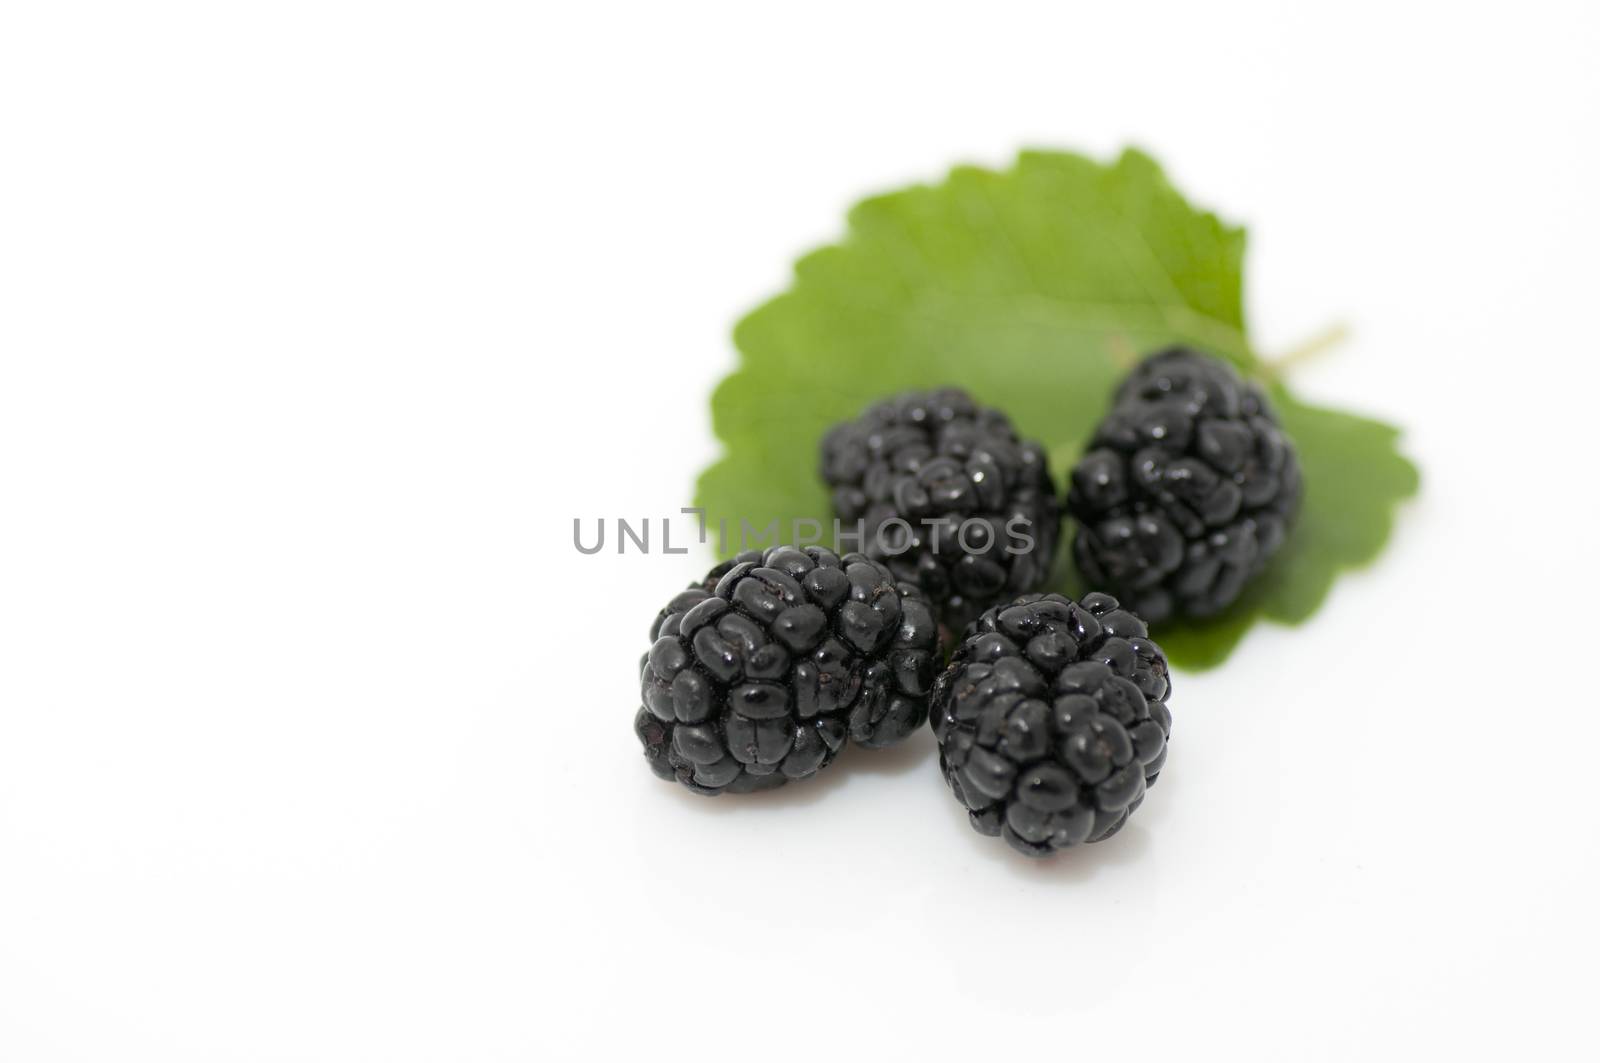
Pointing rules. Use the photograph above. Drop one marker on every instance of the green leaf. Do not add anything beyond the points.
(1033, 288)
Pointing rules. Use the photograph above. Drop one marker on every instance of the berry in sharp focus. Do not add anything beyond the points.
(981, 519)
(1188, 487)
(1052, 720)
(760, 673)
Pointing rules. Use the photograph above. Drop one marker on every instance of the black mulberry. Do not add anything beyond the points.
(759, 673)
(1052, 720)
(981, 520)
(1188, 487)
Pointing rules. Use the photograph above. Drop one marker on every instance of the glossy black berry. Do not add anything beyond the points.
(1188, 488)
(761, 672)
(981, 520)
(1052, 720)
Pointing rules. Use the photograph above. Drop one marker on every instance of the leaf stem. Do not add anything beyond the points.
(1313, 346)
(1124, 355)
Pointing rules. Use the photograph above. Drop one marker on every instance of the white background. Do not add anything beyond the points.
(320, 322)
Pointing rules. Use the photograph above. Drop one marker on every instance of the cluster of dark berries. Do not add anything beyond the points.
(1050, 714)
(1187, 489)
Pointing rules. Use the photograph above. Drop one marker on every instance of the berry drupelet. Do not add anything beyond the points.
(1188, 488)
(760, 673)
